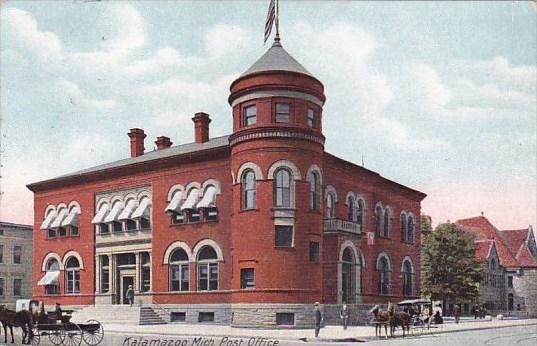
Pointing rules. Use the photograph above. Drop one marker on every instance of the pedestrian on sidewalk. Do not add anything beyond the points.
(475, 310)
(318, 319)
(457, 312)
(130, 295)
(344, 314)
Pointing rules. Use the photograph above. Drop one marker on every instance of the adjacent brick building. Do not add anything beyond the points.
(510, 260)
(249, 229)
(15, 263)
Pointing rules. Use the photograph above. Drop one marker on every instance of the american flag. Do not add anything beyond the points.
(270, 19)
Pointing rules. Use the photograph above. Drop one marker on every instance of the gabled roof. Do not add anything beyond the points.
(508, 243)
(514, 238)
(525, 258)
(276, 59)
(483, 249)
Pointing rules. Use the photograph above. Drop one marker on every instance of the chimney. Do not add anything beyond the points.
(163, 142)
(137, 142)
(201, 127)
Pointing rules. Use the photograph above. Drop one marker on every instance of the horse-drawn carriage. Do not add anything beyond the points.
(415, 316)
(59, 328)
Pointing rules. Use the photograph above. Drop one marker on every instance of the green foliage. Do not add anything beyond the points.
(450, 270)
(425, 225)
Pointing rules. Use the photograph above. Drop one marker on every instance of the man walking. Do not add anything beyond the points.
(130, 295)
(318, 319)
(344, 314)
(457, 312)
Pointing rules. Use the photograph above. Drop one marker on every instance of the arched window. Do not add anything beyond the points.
(404, 233)
(315, 189)
(352, 210)
(330, 206)
(378, 219)
(72, 276)
(248, 190)
(361, 214)
(387, 222)
(179, 272)
(282, 188)
(207, 269)
(53, 287)
(411, 227)
(383, 268)
(348, 276)
(408, 278)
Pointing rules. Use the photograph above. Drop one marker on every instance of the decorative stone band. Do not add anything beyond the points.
(277, 93)
(239, 137)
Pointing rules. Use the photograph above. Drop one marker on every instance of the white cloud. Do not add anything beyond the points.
(429, 87)
(123, 28)
(395, 133)
(222, 39)
(20, 32)
(76, 97)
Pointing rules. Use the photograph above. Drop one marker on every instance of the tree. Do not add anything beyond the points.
(449, 268)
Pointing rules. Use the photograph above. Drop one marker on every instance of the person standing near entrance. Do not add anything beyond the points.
(318, 319)
(344, 314)
(130, 295)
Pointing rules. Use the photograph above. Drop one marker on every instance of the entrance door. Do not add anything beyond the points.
(126, 281)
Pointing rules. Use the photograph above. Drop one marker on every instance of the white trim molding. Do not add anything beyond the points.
(177, 245)
(73, 253)
(284, 164)
(207, 242)
(48, 257)
(249, 165)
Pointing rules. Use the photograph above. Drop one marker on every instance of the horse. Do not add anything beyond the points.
(21, 319)
(381, 318)
(402, 318)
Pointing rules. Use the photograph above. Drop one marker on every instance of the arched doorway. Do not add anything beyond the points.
(350, 276)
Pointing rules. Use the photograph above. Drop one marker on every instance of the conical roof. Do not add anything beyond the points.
(276, 59)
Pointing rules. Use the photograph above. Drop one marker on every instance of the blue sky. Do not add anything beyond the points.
(437, 96)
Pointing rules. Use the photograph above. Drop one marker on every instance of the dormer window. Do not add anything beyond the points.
(249, 115)
(311, 117)
(282, 113)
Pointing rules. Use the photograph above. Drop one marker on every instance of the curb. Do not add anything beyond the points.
(370, 338)
(305, 339)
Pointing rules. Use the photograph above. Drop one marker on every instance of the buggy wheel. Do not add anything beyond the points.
(93, 332)
(56, 336)
(37, 338)
(72, 334)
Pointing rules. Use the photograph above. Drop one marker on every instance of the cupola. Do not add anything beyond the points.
(277, 92)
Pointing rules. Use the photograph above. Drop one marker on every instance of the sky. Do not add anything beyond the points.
(438, 96)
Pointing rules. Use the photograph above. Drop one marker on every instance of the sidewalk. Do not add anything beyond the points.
(327, 333)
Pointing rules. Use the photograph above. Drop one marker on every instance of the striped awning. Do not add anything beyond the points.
(175, 204)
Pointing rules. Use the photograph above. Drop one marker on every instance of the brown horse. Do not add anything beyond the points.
(381, 318)
(401, 318)
(21, 319)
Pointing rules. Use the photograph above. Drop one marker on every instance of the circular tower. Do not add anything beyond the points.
(277, 149)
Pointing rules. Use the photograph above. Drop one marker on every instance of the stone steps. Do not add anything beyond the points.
(149, 316)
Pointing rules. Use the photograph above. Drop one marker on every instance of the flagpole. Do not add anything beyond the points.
(277, 37)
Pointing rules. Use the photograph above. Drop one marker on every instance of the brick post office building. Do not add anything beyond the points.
(249, 229)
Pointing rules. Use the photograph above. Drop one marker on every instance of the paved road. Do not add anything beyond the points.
(490, 337)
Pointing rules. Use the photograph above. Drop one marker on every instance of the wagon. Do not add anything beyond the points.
(59, 329)
(421, 312)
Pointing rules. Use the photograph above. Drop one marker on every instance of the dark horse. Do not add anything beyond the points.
(22, 319)
(381, 318)
(400, 318)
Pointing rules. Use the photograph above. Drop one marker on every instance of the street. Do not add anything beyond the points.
(526, 335)
(517, 335)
